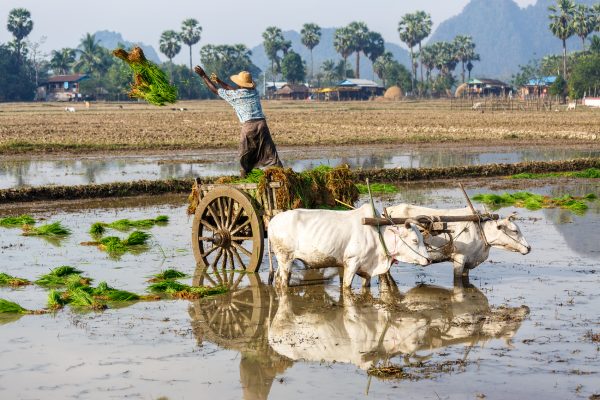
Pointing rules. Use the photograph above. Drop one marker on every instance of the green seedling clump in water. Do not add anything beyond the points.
(51, 230)
(377, 188)
(82, 295)
(56, 300)
(13, 222)
(182, 291)
(8, 307)
(116, 245)
(60, 276)
(108, 293)
(168, 274)
(535, 201)
(98, 228)
(590, 173)
(9, 280)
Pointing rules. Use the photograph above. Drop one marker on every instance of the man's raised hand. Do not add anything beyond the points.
(199, 71)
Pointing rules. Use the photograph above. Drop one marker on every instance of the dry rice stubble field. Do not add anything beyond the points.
(41, 127)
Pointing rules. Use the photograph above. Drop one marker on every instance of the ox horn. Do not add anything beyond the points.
(410, 221)
(512, 216)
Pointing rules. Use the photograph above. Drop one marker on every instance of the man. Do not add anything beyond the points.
(256, 144)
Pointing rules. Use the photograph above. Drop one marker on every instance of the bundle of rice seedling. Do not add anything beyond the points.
(8, 307)
(167, 286)
(117, 246)
(533, 201)
(83, 297)
(168, 274)
(9, 280)
(12, 222)
(54, 229)
(181, 291)
(137, 238)
(590, 173)
(60, 275)
(150, 82)
(107, 293)
(56, 300)
(377, 188)
(98, 228)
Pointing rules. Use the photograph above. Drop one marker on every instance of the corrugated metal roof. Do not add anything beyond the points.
(358, 82)
(543, 81)
(67, 78)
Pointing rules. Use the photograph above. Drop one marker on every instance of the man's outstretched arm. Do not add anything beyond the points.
(209, 84)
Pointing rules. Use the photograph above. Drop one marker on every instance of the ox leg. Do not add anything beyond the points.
(461, 273)
(284, 270)
(366, 282)
(349, 272)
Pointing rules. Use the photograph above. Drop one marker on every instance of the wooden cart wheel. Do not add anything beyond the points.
(227, 232)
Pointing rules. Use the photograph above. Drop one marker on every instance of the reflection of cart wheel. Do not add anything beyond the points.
(237, 314)
(227, 232)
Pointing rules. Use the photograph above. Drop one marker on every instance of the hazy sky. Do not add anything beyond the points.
(64, 22)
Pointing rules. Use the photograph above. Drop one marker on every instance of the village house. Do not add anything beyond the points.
(61, 88)
(538, 87)
(487, 87)
(291, 91)
(359, 89)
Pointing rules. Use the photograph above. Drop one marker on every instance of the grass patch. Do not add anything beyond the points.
(531, 201)
(377, 188)
(13, 222)
(168, 274)
(60, 276)
(590, 173)
(9, 280)
(54, 229)
(98, 228)
(8, 307)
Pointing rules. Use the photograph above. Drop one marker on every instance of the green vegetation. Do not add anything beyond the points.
(99, 228)
(168, 274)
(179, 290)
(11, 222)
(9, 280)
(60, 276)
(535, 201)
(117, 246)
(590, 173)
(81, 295)
(54, 229)
(8, 307)
(377, 188)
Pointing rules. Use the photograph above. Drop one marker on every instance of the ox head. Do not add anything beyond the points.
(405, 244)
(505, 234)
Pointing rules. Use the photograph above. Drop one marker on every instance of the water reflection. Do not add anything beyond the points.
(274, 328)
(19, 173)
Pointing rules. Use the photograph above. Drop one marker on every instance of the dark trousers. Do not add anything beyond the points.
(256, 146)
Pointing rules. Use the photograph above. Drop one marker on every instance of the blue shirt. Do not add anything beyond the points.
(246, 103)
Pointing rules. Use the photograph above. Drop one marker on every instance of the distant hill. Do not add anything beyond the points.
(111, 40)
(325, 51)
(505, 34)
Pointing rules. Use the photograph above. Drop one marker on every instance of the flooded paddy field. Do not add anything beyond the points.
(18, 171)
(524, 327)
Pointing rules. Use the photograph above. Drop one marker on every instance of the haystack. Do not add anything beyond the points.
(462, 89)
(393, 93)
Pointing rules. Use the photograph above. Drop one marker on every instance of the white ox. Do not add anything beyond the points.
(464, 246)
(325, 238)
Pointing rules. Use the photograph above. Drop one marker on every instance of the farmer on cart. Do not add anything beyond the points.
(256, 145)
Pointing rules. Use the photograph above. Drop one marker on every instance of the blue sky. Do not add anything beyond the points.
(64, 22)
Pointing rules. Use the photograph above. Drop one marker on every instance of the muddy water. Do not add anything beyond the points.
(15, 172)
(520, 331)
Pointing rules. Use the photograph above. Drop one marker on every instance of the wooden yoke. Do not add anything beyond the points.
(427, 219)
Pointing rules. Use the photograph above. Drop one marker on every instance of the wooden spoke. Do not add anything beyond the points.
(239, 227)
(238, 258)
(208, 225)
(237, 246)
(210, 251)
(241, 238)
(213, 214)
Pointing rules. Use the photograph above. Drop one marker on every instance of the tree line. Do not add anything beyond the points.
(431, 69)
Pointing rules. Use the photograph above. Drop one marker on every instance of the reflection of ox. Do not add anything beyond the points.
(362, 333)
(325, 238)
(464, 246)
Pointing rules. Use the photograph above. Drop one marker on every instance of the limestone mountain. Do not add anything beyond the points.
(111, 40)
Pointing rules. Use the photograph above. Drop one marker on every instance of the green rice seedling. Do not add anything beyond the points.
(590, 197)
(377, 188)
(9, 280)
(105, 292)
(533, 201)
(12, 222)
(58, 276)
(56, 300)
(168, 287)
(169, 274)
(137, 238)
(97, 229)
(590, 173)
(112, 244)
(54, 229)
(82, 297)
(8, 307)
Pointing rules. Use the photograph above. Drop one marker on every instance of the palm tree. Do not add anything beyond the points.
(424, 25)
(428, 57)
(311, 37)
(274, 42)
(381, 65)
(20, 25)
(596, 13)
(583, 22)
(375, 47)
(342, 42)
(561, 24)
(465, 51)
(170, 46)
(90, 55)
(190, 34)
(408, 29)
(62, 60)
(360, 41)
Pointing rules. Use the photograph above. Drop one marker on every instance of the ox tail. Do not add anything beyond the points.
(271, 271)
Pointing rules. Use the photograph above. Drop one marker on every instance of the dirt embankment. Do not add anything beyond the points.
(395, 175)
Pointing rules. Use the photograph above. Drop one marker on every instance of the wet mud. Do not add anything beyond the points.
(523, 327)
